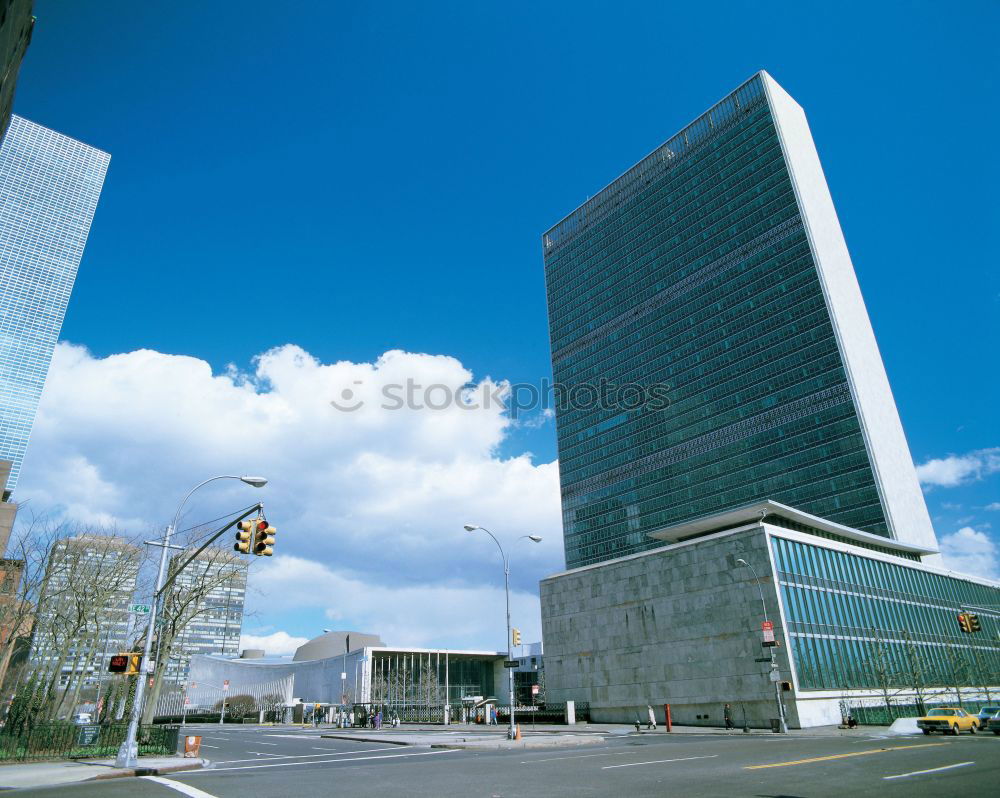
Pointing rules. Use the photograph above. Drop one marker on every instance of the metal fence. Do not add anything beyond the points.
(878, 713)
(434, 713)
(75, 741)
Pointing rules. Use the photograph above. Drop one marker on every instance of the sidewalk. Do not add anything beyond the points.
(45, 774)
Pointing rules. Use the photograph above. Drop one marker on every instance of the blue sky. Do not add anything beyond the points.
(353, 178)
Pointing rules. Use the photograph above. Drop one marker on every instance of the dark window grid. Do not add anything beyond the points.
(658, 246)
(737, 431)
(596, 527)
(673, 217)
(742, 296)
(741, 470)
(664, 258)
(730, 388)
(566, 232)
(768, 247)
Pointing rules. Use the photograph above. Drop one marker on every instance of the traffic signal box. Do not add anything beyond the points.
(255, 537)
(243, 535)
(968, 622)
(515, 636)
(264, 539)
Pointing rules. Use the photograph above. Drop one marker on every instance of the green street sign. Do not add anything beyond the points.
(140, 609)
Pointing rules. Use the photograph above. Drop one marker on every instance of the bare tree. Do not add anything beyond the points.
(76, 585)
(186, 600)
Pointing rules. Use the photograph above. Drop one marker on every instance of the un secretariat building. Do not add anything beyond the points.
(777, 482)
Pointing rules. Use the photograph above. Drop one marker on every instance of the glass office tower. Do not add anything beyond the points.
(716, 270)
(49, 187)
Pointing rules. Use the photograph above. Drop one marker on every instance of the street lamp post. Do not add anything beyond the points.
(782, 725)
(128, 752)
(506, 585)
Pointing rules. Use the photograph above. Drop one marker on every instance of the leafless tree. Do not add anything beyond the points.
(183, 602)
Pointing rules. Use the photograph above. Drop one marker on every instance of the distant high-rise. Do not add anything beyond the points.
(83, 611)
(49, 187)
(716, 269)
(210, 592)
(16, 24)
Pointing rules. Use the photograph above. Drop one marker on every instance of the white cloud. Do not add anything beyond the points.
(947, 472)
(969, 551)
(274, 644)
(995, 506)
(374, 498)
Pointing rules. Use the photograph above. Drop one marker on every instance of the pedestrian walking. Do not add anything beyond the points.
(727, 714)
(652, 718)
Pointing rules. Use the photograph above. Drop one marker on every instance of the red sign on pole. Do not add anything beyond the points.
(767, 625)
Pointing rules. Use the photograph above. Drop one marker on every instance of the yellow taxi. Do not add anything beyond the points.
(948, 720)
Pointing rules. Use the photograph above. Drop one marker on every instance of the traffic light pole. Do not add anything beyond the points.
(128, 753)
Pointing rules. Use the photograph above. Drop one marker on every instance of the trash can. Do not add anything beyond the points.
(192, 746)
(776, 725)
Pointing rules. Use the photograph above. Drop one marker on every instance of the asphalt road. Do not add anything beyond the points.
(251, 762)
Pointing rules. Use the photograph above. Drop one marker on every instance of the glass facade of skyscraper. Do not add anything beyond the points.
(693, 271)
(49, 187)
(858, 622)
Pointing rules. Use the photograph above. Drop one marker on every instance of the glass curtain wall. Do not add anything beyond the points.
(858, 622)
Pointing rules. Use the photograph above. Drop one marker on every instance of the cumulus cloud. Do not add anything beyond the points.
(969, 551)
(953, 470)
(275, 644)
(372, 498)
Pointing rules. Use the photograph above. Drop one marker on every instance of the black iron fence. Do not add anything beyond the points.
(76, 741)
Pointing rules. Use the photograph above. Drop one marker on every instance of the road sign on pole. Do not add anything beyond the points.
(139, 609)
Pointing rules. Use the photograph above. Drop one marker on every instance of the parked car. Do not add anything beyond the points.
(986, 713)
(992, 724)
(82, 718)
(948, 720)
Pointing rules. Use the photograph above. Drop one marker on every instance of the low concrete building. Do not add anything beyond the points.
(682, 624)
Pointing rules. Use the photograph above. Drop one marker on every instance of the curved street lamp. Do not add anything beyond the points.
(506, 586)
(128, 752)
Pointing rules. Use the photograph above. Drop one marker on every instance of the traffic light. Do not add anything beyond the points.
(973, 622)
(264, 539)
(963, 622)
(515, 636)
(243, 534)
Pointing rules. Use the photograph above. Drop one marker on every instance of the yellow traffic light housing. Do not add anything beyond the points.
(264, 539)
(974, 625)
(964, 623)
(515, 636)
(243, 535)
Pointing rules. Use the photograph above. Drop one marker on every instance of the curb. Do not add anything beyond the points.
(519, 745)
(364, 739)
(136, 772)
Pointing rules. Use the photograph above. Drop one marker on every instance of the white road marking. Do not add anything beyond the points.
(658, 762)
(187, 789)
(296, 736)
(206, 745)
(261, 742)
(323, 762)
(932, 770)
(329, 752)
(579, 756)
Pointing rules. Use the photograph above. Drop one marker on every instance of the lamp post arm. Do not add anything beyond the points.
(760, 589)
(180, 507)
(256, 508)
